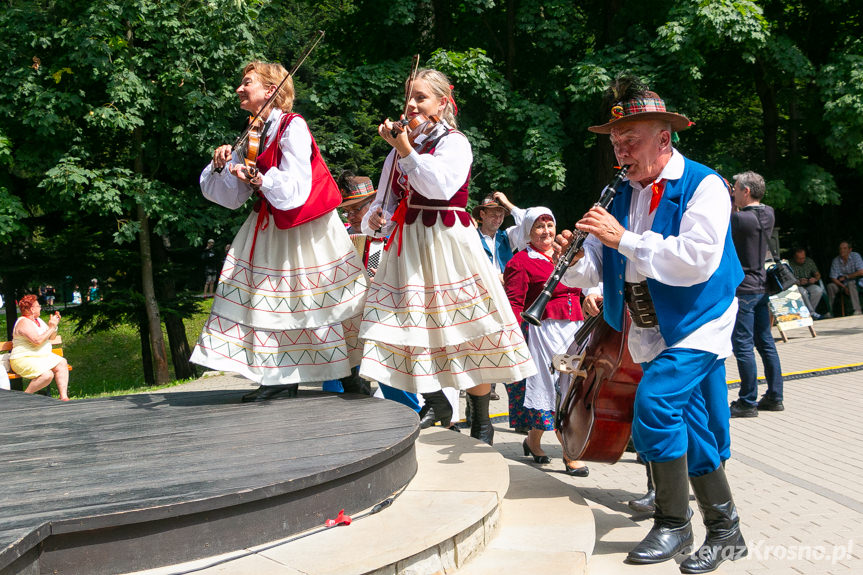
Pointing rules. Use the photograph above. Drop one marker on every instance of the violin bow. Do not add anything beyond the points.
(311, 46)
(415, 63)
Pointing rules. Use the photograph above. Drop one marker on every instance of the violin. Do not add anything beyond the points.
(417, 126)
(253, 144)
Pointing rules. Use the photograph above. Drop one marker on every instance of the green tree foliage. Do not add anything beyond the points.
(110, 109)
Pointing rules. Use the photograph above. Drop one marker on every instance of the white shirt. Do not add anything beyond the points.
(285, 186)
(687, 259)
(436, 176)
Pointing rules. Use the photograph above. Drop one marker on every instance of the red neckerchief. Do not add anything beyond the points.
(657, 188)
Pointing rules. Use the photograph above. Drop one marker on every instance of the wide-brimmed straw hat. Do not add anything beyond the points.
(648, 106)
(487, 202)
(356, 190)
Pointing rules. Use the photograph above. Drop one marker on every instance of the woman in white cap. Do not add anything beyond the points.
(524, 278)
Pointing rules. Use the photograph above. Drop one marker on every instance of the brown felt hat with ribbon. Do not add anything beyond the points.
(487, 202)
(356, 189)
(646, 106)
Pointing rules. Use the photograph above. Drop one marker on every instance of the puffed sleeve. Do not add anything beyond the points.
(515, 282)
(224, 188)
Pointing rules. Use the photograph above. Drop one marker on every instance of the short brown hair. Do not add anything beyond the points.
(26, 303)
(272, 74)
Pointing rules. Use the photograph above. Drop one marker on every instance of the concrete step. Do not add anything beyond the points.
(545, 527)
(447, 514)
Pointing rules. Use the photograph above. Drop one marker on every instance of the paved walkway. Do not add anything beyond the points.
(796, 475)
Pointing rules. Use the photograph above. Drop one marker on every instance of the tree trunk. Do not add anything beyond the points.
(146, 354)
(770, 115)
(157, 341)
(180, 351)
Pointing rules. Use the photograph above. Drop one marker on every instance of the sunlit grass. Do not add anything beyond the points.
(109, 363)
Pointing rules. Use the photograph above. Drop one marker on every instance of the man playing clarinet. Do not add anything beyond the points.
(663, 250)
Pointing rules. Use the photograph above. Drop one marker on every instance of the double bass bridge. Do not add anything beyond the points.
(568, 363)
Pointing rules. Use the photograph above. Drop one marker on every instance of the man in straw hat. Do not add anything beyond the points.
(664, 248)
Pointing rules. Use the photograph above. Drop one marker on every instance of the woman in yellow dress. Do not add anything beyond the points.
(31, 355)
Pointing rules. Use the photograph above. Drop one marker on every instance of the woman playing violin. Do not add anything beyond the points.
(292, 284)
(436, 315)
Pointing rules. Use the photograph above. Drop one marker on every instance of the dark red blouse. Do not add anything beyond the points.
(523, 280)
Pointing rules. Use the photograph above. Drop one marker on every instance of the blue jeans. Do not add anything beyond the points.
(753, 329)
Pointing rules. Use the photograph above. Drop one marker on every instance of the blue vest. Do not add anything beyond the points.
(501, 246)
(680, 309)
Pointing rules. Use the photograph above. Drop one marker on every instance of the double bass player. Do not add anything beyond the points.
(663, 250)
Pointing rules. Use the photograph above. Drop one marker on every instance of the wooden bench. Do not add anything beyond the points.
(6, 346)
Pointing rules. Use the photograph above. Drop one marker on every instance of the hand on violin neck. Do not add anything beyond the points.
(221, 156)
(400, 142)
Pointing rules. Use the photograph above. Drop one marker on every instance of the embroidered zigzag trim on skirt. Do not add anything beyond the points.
(279, 357)
(494, 358)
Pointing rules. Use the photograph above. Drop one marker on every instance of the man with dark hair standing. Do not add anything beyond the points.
(663, 249)
(751, 227)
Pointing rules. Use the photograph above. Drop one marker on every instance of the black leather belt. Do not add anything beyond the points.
(640, 305)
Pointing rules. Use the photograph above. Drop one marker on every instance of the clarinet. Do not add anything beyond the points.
(534, 312)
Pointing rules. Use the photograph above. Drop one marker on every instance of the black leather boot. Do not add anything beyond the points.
(480, 423)
(353, 383)
(435, 408)
(672, 532)
(266, 392)
(645, 504)
(724, 540)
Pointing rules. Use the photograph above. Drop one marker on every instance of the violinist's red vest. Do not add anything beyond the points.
(449, 210)
(325, 195)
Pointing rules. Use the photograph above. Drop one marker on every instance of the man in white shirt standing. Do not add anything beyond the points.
(664, 248)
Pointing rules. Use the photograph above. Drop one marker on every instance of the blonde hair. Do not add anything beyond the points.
(272, 75)
(440, 87)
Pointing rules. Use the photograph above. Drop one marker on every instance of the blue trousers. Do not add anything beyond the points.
(403, 397)
(753, 329)
(681, 407)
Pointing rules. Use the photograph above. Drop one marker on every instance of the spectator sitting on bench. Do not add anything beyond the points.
(31, 355)
(844, 271)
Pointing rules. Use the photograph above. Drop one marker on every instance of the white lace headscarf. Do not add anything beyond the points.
(530, 217)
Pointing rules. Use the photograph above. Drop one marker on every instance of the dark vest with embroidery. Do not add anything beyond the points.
(430, 209)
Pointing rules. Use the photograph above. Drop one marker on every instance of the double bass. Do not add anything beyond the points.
(598, 380)
(598, 377)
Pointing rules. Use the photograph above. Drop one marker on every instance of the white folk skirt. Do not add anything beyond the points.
(291, 315)
(546, 340)
(437, 316)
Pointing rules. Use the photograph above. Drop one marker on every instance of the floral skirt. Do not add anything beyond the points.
(521, 417)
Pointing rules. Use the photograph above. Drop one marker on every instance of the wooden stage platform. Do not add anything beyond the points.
(119, 484)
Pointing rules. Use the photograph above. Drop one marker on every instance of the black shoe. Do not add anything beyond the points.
(436, 408)
(740, 409)
(480, 423)
(520, 430)
(644, 504)
(672, 532)
(582, 471)
(353, 383)
(536, 458)
(724, 540)
(266, 392)
(770, 403)
(494, 396)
